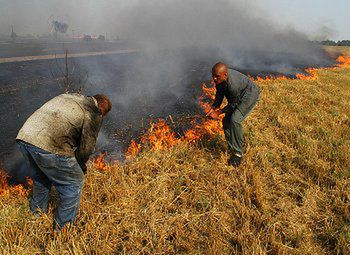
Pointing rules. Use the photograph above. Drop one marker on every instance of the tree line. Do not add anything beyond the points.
(334, 43)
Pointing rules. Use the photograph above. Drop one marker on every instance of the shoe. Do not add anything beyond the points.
(234, 161)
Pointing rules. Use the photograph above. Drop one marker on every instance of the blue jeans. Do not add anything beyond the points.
(60, 171)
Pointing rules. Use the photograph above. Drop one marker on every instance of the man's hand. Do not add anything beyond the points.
(229, 109)
(214, 113)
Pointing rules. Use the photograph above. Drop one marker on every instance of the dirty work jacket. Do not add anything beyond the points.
(240, 92)
(66, 125)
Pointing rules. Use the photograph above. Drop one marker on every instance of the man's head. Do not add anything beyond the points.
(219, 73)
(104, 104)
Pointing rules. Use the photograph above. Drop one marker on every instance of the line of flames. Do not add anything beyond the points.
(343, 61)
(160, 136)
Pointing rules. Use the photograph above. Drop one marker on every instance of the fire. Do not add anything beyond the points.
(192, 135)
(311, 74)
(343, 61)
(271, 78)
(209, 92)
(99, 163)
(134, 149)
(208, 127)
(160, 136)
(18, 190)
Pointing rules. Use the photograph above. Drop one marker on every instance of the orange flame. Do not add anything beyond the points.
(209, 92)
(134, 149)
(271, 78)
(99, 163)
(159, 135)
(343, 61)
(208, 127)
(17, 190)
(311, 74)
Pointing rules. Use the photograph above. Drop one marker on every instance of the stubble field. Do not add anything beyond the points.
(290, 196)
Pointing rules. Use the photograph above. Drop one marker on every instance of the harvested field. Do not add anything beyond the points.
(290, 196)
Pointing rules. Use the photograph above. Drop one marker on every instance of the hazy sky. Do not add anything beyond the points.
(313, 17)
(317, 18)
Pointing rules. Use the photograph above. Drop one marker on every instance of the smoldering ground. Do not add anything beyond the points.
(179, 41)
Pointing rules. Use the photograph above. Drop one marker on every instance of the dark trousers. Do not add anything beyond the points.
(60, 171)
(234, 132)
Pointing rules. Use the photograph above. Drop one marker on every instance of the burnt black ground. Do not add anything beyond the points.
(35, 47)
(25, 86)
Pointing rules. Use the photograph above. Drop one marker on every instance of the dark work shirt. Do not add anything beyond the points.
(241, 92)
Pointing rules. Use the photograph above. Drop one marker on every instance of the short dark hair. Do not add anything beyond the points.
(104, 101)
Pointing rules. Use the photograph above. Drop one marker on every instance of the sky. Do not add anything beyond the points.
(313, 17)
(319, 19)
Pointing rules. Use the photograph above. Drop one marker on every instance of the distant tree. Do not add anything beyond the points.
(334, 43)
(58, 27)
(329, 43)
(343, 43)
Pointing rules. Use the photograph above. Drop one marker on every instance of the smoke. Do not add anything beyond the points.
(324, 32)
(179, 41)
(231, 31)
(234, 31)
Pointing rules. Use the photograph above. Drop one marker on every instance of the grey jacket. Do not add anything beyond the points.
(240, 92)
(66, 125)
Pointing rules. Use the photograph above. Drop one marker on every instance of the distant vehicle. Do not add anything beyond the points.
(101, 38)
(87, 38)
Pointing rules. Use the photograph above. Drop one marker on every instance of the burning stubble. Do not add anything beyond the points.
(179, 41)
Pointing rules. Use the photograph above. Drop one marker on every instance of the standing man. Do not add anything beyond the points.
(242, 95)
(57, 140)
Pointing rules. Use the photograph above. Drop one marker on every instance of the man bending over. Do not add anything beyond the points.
(57, 140)
(242, 95)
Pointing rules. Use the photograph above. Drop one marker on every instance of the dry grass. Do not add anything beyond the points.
(337, 49)
(290, 196)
